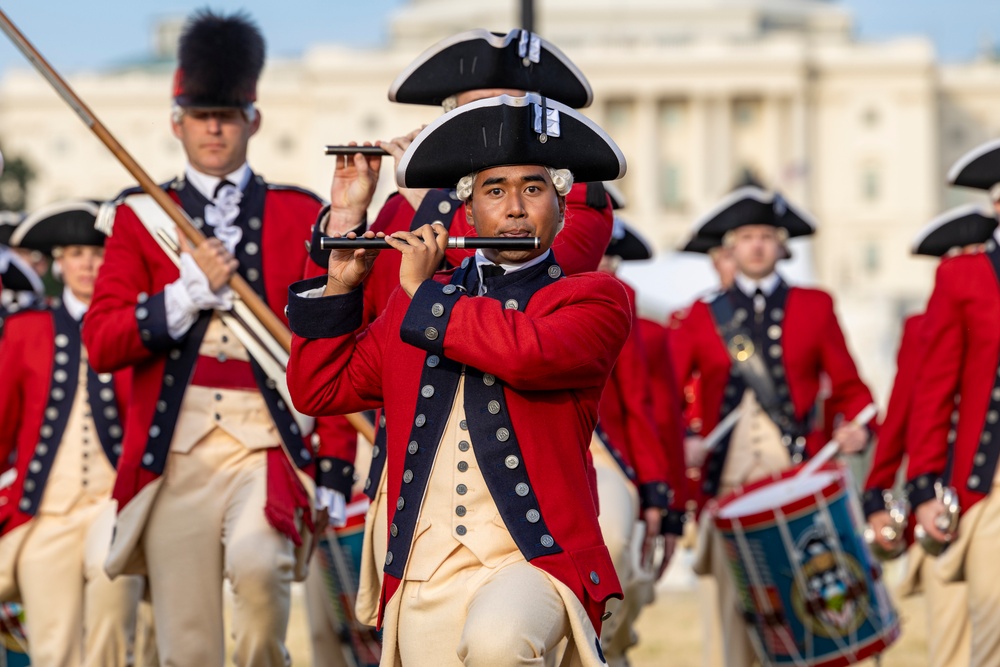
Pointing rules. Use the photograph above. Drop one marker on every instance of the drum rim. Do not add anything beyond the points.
(767, 516)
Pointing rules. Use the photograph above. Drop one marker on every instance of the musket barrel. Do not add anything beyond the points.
(471, 242)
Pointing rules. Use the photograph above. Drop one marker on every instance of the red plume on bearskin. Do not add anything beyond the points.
(219, 59)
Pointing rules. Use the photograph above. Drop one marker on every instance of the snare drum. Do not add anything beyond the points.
(810, 591)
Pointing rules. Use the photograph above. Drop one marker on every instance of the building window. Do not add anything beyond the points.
(870, 118)
(670, 186)
(744, 112)
(871, 183)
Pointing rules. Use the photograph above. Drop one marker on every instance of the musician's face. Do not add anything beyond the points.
(515, 201)
(215, 140)
(756, 249)
(722, 260)
(79, 265)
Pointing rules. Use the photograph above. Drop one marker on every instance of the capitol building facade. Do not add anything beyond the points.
(696, 93)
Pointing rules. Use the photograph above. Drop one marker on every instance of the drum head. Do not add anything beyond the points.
(781, 493)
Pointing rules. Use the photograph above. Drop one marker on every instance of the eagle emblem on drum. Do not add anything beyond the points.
(830, 594)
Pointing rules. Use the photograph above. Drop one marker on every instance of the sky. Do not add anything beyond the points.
(75, 35)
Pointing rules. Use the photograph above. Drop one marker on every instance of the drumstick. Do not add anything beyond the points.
(721, 429)
(831, 448)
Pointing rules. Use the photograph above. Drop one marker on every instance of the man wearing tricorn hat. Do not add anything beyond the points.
(760, 347)
(961, 332)
(490, 375)
(62, 421)
(217, 474)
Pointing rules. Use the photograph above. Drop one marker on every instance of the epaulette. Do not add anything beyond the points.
(106, 214)
(293, 188)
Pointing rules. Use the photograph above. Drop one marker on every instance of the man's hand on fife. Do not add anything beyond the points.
(423, 252)
(354, 181)
(348, 268)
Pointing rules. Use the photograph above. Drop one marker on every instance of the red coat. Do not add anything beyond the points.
(578, 247)
(541, 371)
(126, 324)
(960, 357)
(626, 416)
(667, 404)
(40, 362)
(892, 442)
(810, 343)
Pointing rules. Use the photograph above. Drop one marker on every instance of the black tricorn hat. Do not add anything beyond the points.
(618, 200)
(701, 244)
(627, 243)
(219, 59)
(17, 275)
(505, 130)
(979, 168)
(753, 206)
(955, 228)
(9, 220)
(480, 59)
(57, 225)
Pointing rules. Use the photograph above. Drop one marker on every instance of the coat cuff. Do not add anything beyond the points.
(921, 489)
(336, 474)
(673, 522)
(427, 317)
(655, 494)
(437, 207)
(322, 257)
(873, 500)
(324, 316)
(151, 319)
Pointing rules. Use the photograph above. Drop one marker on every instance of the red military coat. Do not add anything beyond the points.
(626, 417)
(892, 442)
(40, 363)
(960, 357)
(805, 341)
(532, 388)
(126, 325)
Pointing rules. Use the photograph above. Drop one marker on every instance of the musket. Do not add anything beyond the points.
(260, 310)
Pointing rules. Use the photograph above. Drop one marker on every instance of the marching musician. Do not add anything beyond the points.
(760, 347)
(436, 78)
(490, 375)
(21, 270)
(963, 230)
(961, 332)
(217, 474)
(63, 421)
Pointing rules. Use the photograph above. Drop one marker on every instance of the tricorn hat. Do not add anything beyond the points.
(17, 275)
(505, 130)
(9, 220)
(701, 244)
(979, 168)
(64, 224)
(480, 59)
(753, 206)
(219, 59)
(955, 228)
(627, 243)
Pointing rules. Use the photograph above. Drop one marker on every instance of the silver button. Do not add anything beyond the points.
(464, 425)
(980, 459)
(777, 314)
(489, 380)
(741, 314)
(253, 274)
(511, 461)
(251, 248)
(175, 354)
(376, 450)
(493, 407)
(503, 435)
(117, 449)
(532, 516)
(393, 530)
(147, 459)
(305, 454)
(444, 207)
(142, 297)
(554, 272)
(461, 530)
(161, 406)
(51, 413)
(774, 332)
(60, 376)
(58, 394)
(154, 431)
(461, 489)
(594, 578)
(437, 310)
(104, 378)
(922, 482)
(110, 412)
(42, 449)
(463, 466)
(29, 485)
(381, 421)
(45, 431)
(400, 503)
(774, 351)
(973, 481)
(521, 489)
(141, 313)
(985, 437)
(115, 431)
(427, 391)
(463, 446)
(388, 558)
(510, 304)
(145, 334)
(465, 263)
(992, 416)
(168, 380)
(420, 420)
(107, 394)
(433, 361)
(62, 340)
(25, 504)
(449, 289)
(326, 465)
(547, 541)
(408, 476)
(412, 447)
(62, 358)
(254, 223)
(430, 333)
(460, 510)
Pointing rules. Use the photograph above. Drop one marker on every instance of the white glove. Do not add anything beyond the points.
(335, 504)
(189, 295)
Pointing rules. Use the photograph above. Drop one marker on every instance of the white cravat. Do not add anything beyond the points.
(221, 214)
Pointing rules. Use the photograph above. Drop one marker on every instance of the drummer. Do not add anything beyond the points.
(761, 347)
